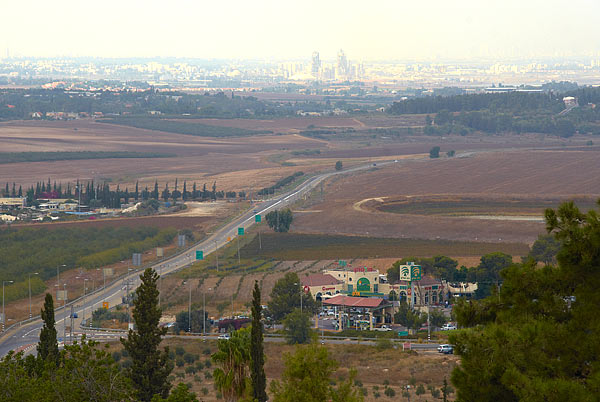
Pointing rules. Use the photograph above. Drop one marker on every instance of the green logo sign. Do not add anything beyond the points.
(342, 263)
(257, 218)
(363, 285)
(240, 231)
(199, 254)
(415, 273)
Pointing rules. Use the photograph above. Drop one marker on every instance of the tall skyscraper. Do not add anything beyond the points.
(342, 65)
(316, 65)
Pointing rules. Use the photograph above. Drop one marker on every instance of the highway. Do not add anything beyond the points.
(25, 334)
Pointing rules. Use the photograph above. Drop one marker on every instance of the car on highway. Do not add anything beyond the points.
(384, 328)
(448, 327)
(446, 349)
(225, 337)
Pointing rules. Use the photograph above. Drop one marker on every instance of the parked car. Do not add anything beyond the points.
(224, 336)
(448, 326)
(446, 349)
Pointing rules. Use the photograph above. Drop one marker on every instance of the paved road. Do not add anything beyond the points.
(27, 333)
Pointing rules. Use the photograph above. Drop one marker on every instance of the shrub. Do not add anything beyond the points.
(389, 392)
(180, 351)
(383, 344)
(207, 363)
(199, 365)
(206, 351)
(207, 375)
(420, 390)
(190, 370)
(189, 358)
(179, 362)
(386, 382)
(435, 393)
(376, 395)
(204, 391)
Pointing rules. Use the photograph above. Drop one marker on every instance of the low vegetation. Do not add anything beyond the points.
(294, 246)
(183, 127)
(16, 157)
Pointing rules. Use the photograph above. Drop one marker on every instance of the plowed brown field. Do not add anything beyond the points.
(558, 175)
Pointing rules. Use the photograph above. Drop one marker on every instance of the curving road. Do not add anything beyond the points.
(24, 335)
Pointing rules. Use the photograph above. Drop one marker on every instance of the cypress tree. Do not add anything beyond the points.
(150, 366)
(48, 346)
(259, 380)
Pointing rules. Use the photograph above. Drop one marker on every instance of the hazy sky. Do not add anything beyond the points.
(265, 29)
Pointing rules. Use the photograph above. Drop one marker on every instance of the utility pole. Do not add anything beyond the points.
(35, 273)
(127, 300)
(238, 246)
(428, 326)
(217, 254)
(203, 314)
(159, 282)
(190, 307)
(259, 240)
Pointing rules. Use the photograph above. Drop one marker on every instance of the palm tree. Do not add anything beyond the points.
(232, 378)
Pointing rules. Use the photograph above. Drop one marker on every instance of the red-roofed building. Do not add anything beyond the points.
(321, 285)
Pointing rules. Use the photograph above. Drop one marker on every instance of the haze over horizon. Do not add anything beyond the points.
(431, 30)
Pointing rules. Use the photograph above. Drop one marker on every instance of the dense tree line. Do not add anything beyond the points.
(97, 194)
(517, 112)
(280, 183)
(23, 102)
(29, 250)
(514, 102)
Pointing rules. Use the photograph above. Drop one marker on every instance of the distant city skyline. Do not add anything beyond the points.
(273, 30)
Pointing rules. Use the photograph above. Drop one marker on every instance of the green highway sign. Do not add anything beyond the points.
(199, 254)
(240, 231)
(257, 218)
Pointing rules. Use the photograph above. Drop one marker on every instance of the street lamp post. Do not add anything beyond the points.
(35, 273)
(3, 314)
(301, 291)
(84, 293)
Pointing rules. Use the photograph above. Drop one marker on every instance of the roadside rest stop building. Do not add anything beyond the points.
(362, 295)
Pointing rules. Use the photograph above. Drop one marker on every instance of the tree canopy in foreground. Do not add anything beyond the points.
(538, 339)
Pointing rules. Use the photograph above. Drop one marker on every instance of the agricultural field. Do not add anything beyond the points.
(485, 185)
(200, 159)
(299, 247)
(377, 368)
